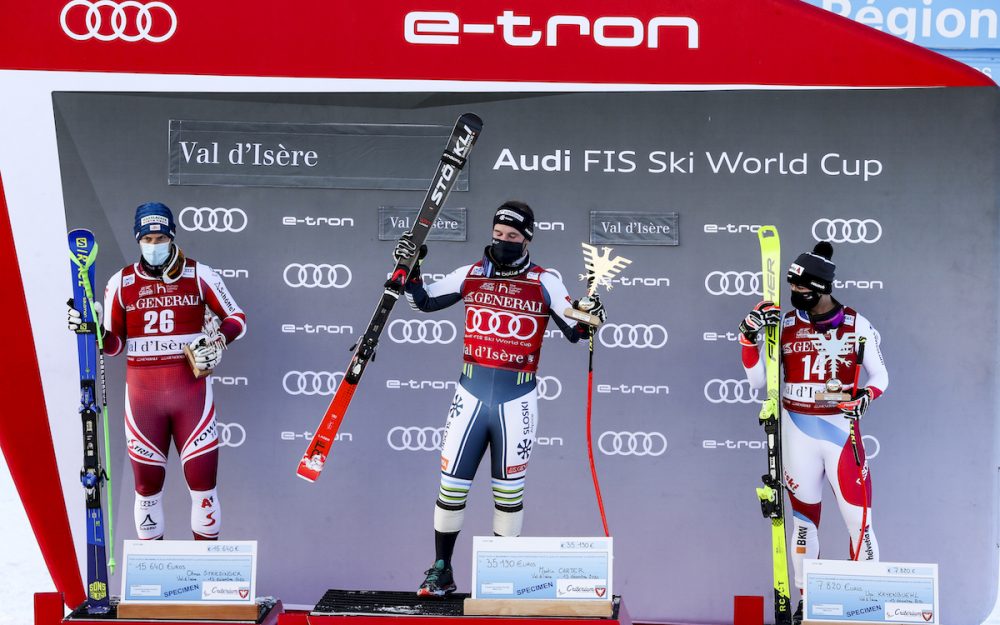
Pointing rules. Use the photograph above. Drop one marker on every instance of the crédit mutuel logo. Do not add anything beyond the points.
(447, 28)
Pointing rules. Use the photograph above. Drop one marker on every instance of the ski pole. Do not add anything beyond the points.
(857, 455)
(590, 438)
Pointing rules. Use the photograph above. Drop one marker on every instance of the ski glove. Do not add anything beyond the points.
(856, 408)
(592, 304)
(763, 314)
(75, 322)
(406, 248)
(207, 352)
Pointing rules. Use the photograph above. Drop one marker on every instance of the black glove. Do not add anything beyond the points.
(855, 409)
(763, 314)
(592, 304)
(406, 248)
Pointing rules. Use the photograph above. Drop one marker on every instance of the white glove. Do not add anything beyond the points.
(207, 352)
(74, 319)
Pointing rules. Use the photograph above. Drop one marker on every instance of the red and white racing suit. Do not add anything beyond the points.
(496, 404)
(152, 321)
(815, 439)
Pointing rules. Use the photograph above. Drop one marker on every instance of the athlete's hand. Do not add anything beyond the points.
(406, 248)
(207, 352)
(763, 314)
(75, 322)
(592, 304)
(856, 408)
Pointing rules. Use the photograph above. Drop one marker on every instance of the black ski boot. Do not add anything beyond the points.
(439, 581)
(797, 617)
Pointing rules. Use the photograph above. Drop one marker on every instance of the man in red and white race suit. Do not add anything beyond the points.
(153, 308)
(819, 343)
(508, 303)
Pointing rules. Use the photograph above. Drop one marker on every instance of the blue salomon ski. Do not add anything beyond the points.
(83, 251)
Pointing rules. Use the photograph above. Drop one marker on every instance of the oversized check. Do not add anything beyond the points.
(189, 571)
(541, 568)
(840, 591)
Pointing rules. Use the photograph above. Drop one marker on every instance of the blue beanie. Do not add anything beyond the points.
(153, 218)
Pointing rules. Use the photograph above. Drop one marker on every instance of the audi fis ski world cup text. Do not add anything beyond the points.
(673, 162)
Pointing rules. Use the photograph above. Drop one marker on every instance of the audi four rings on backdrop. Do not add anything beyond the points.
(632, 444)
(429, 331)
(312, 276)
(847, 230)
(731, 391)
(733, 283)
(205, 219)
(403, 438)
(105, 20)
(628, 335)
(548, 387)
(311, 382)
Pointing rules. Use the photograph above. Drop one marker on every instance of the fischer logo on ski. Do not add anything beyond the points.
(455, 155)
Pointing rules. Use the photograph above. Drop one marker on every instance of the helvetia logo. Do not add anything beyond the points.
(446, 28)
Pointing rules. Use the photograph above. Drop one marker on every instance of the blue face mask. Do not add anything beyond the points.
(155, 254)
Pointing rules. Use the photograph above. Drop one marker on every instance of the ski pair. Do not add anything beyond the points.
(772, 494)
(93, 476)
(453, 160)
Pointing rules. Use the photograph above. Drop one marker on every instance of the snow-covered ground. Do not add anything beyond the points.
(22, 570)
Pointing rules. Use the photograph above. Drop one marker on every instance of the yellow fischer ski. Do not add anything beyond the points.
(772, 494)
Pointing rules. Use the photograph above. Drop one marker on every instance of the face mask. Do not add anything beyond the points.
(506, 252)
(805, 301)
(155, 254)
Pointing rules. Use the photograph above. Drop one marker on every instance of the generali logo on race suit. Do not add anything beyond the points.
(522, 30)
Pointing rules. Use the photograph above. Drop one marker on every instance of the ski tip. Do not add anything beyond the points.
(473, 120)
(307, 478)
(767, 232)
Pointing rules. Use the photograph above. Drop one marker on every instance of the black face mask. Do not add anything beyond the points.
(805, 301)
(506, 252)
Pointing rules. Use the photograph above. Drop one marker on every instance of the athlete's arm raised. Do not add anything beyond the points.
(441, 294)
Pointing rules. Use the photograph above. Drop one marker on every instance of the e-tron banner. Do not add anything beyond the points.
(902, 183)
(687, 42)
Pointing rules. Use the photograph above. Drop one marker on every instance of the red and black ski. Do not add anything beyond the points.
(463, 137)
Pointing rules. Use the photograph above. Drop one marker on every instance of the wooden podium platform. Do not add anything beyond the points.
(49, 611)
(359, 607)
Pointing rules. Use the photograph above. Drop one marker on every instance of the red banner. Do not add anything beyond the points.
(685, 42)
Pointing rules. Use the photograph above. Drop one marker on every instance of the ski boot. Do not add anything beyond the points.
(438, 583)
(797, 617)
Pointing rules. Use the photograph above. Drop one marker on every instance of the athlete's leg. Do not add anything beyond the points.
(853, 499)
(147, 438)
(802, 458)
(196, 437)
(463, 445)
(512, 440)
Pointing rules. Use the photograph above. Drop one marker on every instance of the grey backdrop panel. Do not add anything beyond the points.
(686, 518)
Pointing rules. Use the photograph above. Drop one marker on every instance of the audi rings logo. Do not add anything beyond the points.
(231, 434)
(638, 335)
(548, 387)
(730, 391)
(847, 230)
(500, 323)
(632, 444)
(323, 276)
(205, 219)
(106, 20)
(415, 439)
(869, 454)
(311, 382)
(733, 283)
(422, 331)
